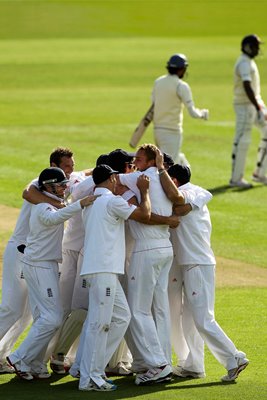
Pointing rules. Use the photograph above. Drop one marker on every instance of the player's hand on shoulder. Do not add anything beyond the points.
(61, 205)
(87, 201)
(143, 183)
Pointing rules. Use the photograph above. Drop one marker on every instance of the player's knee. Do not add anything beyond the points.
(11, 312)
(54, 320)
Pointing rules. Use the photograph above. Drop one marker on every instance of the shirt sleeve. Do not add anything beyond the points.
(49, 215)
(128, 195)
(118, 207)
(196, 197)
(243, 70)
(129, 180)
(185, 94)
(83, 189)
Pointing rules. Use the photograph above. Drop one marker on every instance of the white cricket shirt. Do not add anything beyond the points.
(170, 94)
(44, 240)
(245, 70)
(191, 239)
(22, 225)
(73, 237)
(104, 243)
(160, 204)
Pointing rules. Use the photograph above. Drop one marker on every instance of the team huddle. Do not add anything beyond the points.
(112, 267)
(121, 273)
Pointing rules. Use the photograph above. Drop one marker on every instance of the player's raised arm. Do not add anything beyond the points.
(33, 195)
(169, 187)
(143, 212)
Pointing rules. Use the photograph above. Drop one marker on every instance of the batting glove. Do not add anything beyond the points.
(261, 117)
(205, 114)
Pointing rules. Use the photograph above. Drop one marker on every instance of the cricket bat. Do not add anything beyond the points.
(140, 130)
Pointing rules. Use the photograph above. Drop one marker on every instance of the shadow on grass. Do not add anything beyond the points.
(226, 188)
(67, 388)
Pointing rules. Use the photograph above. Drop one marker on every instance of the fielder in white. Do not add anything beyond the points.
(104, 258)
(148, 272)
(249, 109)
(15, 313)
(197, 264)
(170, 94)
(40, 269)
(73, 288)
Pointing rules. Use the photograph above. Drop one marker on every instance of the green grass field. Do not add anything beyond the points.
(80, 74)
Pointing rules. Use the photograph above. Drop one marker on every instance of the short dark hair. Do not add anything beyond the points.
(58, 153)
(101, 173)
(102, 159)
(181, 172)
(173, 70)
(118, 158)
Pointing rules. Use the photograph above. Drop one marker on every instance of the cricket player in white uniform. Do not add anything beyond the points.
(197, 263)
(104, 258)
(148, 278)
(73, 288)
(15, 313)
(249, 109)
(40, 269)
(170, 94)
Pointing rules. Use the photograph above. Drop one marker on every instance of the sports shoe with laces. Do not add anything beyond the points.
(154, 375)
(184, 373)
(259, 179)
(57, 364)
(232, 374)
(106, 387)
(25, 375)
(41, 373)
(120, 370)
(6, 368)
(242, 183)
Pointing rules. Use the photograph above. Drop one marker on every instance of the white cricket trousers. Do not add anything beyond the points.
(15, 314)
(185, 338)
(148, 300)
(246, 117)
(106, 323)
(199, 287)
(73, 287)
(47, 314)
(169, 141)
(74, 296)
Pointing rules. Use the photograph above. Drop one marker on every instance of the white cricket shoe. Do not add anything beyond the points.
(154, 375)
(106, 387)
(259, 179)
(25, 375)
(41, 373)
(6, 368)
(184, 373)
(242, 183)
(232, 374)
(121, 369)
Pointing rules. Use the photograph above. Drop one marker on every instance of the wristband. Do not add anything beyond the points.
(161, 171)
